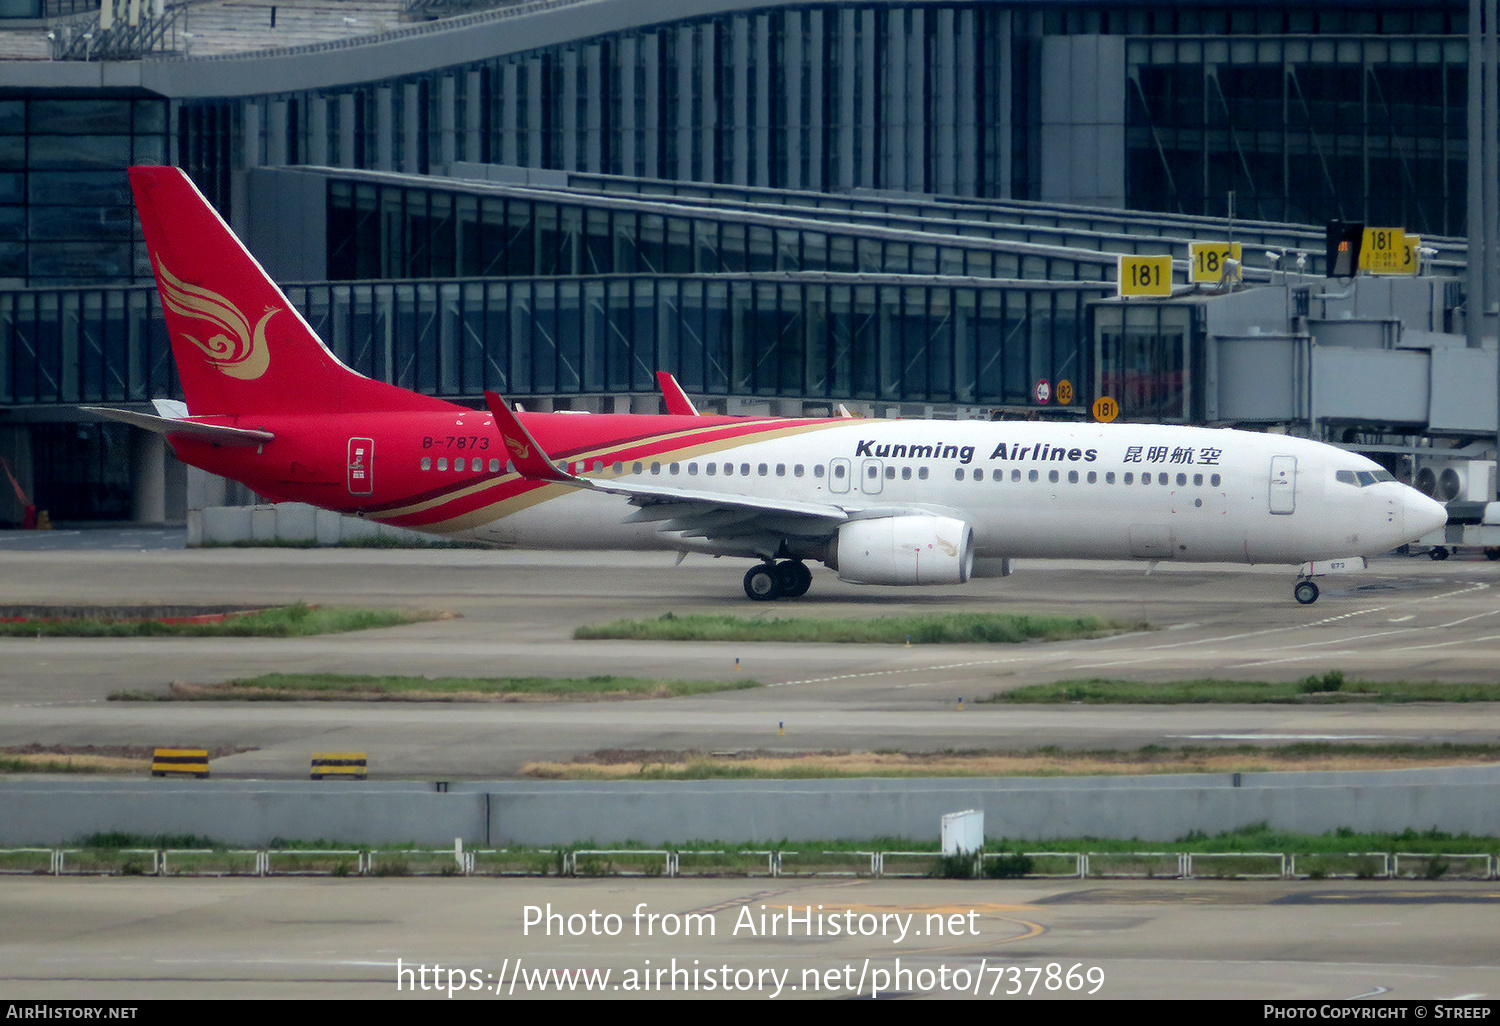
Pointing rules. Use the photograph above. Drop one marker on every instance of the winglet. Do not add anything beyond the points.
(678, 403)
(529, 457)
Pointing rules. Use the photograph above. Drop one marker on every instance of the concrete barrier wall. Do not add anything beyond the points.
(546, 813)
(288, 522)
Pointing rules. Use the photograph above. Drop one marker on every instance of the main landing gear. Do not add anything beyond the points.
(770, 581)
(1305, 592)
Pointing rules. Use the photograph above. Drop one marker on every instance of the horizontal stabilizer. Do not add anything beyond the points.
(216, 434)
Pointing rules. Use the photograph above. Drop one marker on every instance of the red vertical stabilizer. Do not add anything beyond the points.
(240, 347)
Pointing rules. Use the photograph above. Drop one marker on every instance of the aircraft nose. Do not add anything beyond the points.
(1422, 515)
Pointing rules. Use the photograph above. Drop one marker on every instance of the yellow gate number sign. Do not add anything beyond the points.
(1405, 260)
(1144, 275)
(1206, 261)
(1105, 409)
(1064, 391)
(1384, 251)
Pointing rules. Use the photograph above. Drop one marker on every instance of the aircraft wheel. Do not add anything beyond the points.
(1306, 592)
(794, 578)
(1438, 552)
(1492, 552)
(762, 583)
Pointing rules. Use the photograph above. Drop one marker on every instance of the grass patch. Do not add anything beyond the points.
(1327, 688)
(943, 629)
(344, 687)
(628, 764)
(294, 621)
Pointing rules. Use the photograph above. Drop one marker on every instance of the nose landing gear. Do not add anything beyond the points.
(1305, 592)
(770, 581)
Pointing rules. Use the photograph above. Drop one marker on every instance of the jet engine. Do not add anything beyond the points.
(914, 549)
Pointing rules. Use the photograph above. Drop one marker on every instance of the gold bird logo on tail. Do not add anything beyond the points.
(237, 350)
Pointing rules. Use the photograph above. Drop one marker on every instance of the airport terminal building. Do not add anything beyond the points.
(909, 208)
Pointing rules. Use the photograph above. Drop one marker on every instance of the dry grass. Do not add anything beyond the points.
(337, 687)
(39, 758)
(616, 764)
(57, 762)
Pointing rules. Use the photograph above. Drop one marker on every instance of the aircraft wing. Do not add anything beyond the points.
(704, 514)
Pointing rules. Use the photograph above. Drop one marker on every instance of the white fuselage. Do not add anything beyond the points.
(1029, 489)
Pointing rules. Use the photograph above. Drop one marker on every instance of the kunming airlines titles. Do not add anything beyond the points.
(1206, 456)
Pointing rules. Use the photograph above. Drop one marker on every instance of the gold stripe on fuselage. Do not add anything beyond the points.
(512, 504)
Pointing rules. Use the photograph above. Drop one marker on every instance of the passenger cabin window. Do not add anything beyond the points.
(1072, 477)
(958, 475)
(1052, 476)
(1032, 476)
(817, 470)
(1109, 477)
(442, 463)
(426, 462)
(797, 470)
(781, 470)
(921, 473)
(1214, 480)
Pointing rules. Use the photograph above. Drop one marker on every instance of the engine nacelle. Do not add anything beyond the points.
(914, 549)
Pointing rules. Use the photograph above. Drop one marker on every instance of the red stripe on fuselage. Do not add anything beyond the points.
(306, 461)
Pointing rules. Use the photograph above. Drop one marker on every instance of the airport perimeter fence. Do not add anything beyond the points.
(669, 863)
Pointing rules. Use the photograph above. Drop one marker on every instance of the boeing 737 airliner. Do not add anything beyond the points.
(909, 502)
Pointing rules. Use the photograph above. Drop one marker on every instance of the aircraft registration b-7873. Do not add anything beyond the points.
(893, 502)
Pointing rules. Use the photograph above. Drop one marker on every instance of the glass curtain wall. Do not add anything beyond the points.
(388, 231)
(1300, 129)
(817, 337)
(66, 215)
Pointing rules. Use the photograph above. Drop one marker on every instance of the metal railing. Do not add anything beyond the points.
(653, 862)
(422, 28)
(80, 37)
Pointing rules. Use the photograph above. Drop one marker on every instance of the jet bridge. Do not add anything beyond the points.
(1375, 356)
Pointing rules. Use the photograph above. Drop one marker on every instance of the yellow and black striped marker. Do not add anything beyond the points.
(191, 761)
(345, 765)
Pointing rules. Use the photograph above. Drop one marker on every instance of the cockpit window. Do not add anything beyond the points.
(1363, 478)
